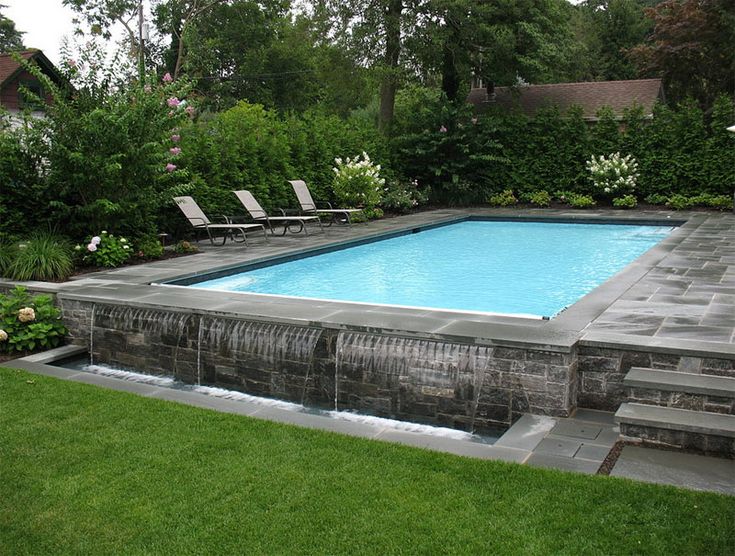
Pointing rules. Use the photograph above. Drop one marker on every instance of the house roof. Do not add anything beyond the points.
(590, 96)
(10, 67)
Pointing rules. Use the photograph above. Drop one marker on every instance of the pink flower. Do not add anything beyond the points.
(71, 62)
(190, 110)
(96, 240)
(173, 102)
(170, 167)
(174, 150)
(167, 78)
(442, 129)
(176, 138)
(91, 247)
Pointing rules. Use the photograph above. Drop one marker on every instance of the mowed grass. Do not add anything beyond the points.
(88, 470)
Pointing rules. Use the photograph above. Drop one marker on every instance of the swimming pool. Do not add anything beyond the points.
(508, 267)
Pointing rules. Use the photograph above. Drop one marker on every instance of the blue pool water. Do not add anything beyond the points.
(527, 268)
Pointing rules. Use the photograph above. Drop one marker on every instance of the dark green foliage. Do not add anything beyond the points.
(682, 202)
(185, 247)
(23, 199)
(626, 201)
(249, 147)
(540, 198)
(41, 257)
(681, 150)
(8, 252)
(29, 322)
(106, 250)
(10, 38)
(577, 200)
(148, 247)
(503, 199)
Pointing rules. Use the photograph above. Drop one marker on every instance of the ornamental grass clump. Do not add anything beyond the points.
(613, 176)
(41, 257)
(28, 323)
(105, 250)
(357, 182)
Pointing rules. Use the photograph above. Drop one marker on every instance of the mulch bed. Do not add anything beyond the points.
(612, 457)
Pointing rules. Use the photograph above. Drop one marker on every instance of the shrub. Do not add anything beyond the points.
(402, 196)
(357, 182)
(185, 247)
(374, 213)
(41, 257)
(722, 202)
(613, 175)
(576, 200)
(680, 202)
(105, 250)
(626, 201)
(110, 160)
(149, 247)
(8, 252)
(504, 199)
(539, 198)
(657, 199)
(28, 323)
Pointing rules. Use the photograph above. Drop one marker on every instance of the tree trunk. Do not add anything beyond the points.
(389, 83)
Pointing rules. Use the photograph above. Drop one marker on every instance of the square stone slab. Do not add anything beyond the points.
(566, 464)
(673, 468)
(558, 447)
(595, 453)
(576, 430)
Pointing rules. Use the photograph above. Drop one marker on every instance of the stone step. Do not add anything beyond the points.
(674, 381)
(698, 422)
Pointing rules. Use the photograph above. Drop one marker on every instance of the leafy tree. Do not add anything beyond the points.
(500, 41)
(691, 48)
(176, 17)
(608, 29)
(10, 37)
(110, 156)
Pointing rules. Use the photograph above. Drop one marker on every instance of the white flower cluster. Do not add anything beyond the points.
(357, 180)
(26, 314)
(3, 335)
(354, 167)
(614, 174)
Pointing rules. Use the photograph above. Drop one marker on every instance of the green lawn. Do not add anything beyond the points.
(87, 470)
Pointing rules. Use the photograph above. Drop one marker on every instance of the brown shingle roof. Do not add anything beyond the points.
(591, 96)
(8, 65)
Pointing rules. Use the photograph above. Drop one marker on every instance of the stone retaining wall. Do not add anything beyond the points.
(680, 440)
(601, 372)
(463, 386)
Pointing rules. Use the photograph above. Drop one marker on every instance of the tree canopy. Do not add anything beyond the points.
(10, 38)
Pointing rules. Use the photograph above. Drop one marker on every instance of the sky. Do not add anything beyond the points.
(45, 23)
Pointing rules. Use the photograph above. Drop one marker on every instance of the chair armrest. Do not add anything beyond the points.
(226, 219)
(329, 205)
(289, 212)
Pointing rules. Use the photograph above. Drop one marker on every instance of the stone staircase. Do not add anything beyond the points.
(681, 410)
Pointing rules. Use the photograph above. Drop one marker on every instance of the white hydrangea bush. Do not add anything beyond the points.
(613, 175)
(357, 181)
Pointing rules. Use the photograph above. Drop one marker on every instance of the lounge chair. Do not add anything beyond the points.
(258, 214)
(199, 220)
(308, 206)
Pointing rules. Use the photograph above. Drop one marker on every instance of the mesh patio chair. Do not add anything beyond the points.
(308, 206)
(197, 218)
(257, 213)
